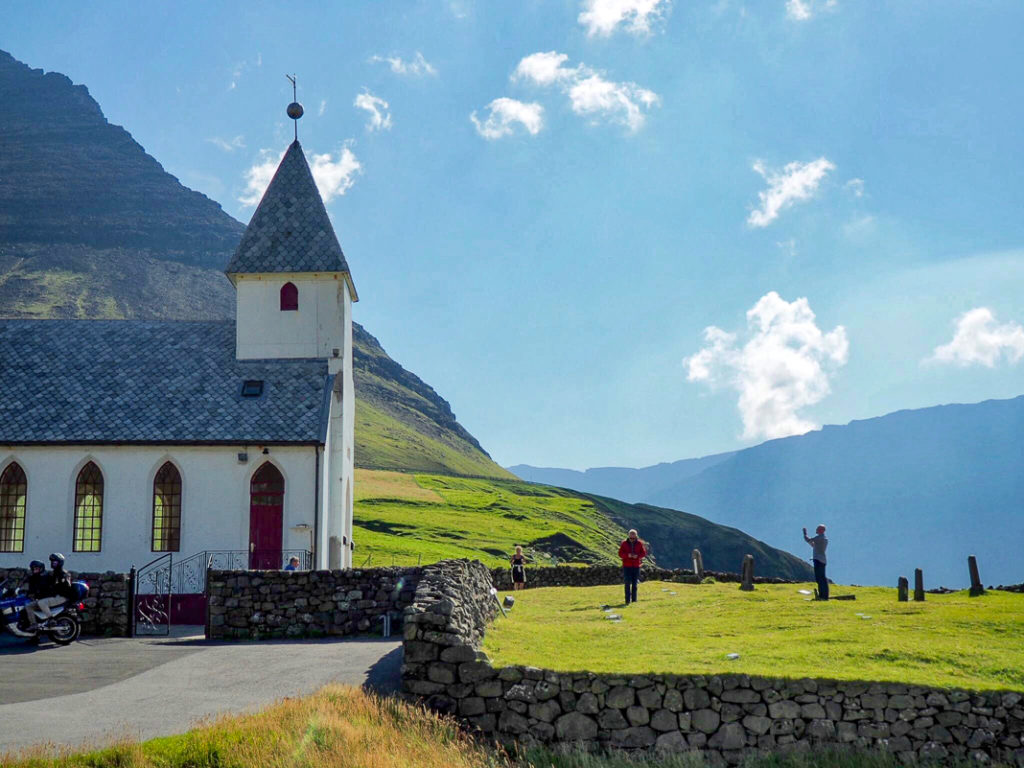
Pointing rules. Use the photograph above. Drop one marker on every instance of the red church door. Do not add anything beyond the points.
(266, 515)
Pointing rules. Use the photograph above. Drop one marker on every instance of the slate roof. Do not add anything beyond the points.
(129, 381)
(290, 231)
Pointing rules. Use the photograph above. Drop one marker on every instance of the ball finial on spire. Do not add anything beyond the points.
(294, 109)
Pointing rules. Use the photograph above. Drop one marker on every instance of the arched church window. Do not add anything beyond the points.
(289, 297)
(167, 509)
(88, 509)
(13, 491)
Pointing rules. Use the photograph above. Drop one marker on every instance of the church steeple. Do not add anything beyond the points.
(290, 231)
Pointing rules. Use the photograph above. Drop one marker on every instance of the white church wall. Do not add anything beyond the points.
(314, 330)
(214, 509)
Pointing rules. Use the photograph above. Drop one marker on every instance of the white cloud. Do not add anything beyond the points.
(228, 145)
(323, 108)
(785, 365)
(416, 67)
(798, 10)
(379, 117)
(504, 114)
(589, 92)
(856, 187)
(979, 340)
(802, 10)
(601, 17)
(332, 177)
(796, 182)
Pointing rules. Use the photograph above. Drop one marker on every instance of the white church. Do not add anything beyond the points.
(122, 440)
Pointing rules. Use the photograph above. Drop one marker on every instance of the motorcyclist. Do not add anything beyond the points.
(56, 589)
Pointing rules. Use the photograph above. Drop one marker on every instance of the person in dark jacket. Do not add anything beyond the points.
(819, 543)
(632, 553)
(56, 590)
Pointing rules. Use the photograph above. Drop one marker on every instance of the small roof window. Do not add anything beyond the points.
(252, 388)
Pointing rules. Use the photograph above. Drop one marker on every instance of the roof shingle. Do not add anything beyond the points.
(131, 381)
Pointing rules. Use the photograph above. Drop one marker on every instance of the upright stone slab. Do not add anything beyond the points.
(976, 587)
(698, 564)
(902, 586)
(918, 585)
(748, 574)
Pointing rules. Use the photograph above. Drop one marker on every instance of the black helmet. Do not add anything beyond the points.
(58, 558)
(36, 564)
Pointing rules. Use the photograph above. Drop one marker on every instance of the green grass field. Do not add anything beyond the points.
(405, 517)
(949, 640)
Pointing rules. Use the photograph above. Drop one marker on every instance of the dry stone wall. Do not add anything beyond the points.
(726, 717)
(272, 604)
(601, 575)
(106, 608)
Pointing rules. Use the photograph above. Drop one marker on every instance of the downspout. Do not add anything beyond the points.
(317, 503)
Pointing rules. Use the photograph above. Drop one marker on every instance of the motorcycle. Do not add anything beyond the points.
(63, 627)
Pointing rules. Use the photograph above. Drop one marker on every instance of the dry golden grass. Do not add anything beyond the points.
(337, 727)
(380, 484)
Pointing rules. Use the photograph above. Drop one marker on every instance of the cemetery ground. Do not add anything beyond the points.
(949, 640)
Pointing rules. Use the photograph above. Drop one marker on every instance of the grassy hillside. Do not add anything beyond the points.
(674, 535)
(689, 629)
(403, 518)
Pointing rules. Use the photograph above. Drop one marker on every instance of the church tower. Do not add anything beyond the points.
(293, 300)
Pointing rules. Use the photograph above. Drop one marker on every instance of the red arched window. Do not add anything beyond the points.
(13, 488)
(167, 509)
(289, 297)
(88, 509)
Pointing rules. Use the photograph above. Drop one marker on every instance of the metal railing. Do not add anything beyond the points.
(382, 559)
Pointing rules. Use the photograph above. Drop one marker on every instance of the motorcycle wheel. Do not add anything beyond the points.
(64, 630)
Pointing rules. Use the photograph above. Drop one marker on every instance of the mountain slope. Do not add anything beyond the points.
(921, 488)
(620, 482)
(403, 517)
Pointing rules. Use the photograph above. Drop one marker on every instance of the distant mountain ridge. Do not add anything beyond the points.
(912, 489)
(620, 482)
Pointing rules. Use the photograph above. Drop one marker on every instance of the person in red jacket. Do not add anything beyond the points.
(632, 553)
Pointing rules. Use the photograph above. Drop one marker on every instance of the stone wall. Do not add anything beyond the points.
(727, 717)
(600, 575)
(444, 628)
(262, 604)
(106, 608)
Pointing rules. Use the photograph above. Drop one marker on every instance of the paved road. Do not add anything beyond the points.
(142, 688)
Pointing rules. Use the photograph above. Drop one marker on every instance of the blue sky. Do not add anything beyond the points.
(638, 171)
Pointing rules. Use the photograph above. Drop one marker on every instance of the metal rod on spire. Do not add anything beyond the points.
(294, 109)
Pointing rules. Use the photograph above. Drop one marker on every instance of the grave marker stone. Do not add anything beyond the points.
(918, 585)
(901, 587)
(976, 586)
(748, 574)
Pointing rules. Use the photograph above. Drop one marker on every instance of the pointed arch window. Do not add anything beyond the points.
(13, 493)
(88, 509)
(167, 509)
(289, 297)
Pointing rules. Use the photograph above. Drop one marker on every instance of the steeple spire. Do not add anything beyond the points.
(294, 109)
